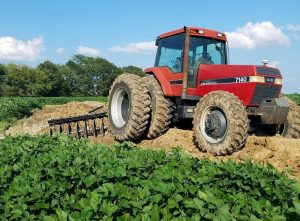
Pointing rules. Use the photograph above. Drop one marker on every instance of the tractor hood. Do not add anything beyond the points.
(250, 83)
(238, 73)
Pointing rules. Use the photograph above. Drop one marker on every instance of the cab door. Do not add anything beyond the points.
(195, 52)
(203, 51)
(169, 59)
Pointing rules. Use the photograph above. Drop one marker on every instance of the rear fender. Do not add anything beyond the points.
(163, 81)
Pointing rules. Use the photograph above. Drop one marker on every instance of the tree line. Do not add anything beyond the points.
(80, 76)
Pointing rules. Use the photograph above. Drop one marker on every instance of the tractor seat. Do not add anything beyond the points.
(177, 67)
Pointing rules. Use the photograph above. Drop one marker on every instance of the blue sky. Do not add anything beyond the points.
(123, 31)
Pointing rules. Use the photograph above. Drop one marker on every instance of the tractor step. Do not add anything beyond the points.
(87, 125)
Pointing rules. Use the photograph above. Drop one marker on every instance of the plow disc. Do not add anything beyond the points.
(91, 124)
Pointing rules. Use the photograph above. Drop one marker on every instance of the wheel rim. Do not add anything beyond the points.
(213, 124)
(120, 107)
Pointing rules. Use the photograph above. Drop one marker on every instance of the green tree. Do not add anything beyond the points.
(22, 80)
(70, 81)
(92, 76)
(55, 79)
(3, 75)
(134, 70)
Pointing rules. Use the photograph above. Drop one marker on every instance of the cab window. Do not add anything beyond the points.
(204, 51)
(170, 53)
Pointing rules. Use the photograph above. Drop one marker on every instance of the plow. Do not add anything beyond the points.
(90, 124)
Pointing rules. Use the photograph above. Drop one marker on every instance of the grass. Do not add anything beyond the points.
(3, 126)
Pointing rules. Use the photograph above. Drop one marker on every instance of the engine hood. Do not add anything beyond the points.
(250, 83)
(207, 72)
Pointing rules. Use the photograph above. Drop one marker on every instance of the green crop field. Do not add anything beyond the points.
(61, 178)
(295, 97)
(14, 108)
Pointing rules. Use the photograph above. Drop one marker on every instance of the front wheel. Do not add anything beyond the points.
(220, 123)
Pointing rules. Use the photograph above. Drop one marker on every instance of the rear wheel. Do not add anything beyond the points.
(129, 107)
(161, 109)
(220, 123)
(291, 127)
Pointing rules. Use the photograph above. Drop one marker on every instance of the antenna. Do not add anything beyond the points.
(265, 62)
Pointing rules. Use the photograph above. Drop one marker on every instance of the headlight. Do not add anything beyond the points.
(259, 79)
(278, 81)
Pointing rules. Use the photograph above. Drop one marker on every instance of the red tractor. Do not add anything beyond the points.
(191, 79)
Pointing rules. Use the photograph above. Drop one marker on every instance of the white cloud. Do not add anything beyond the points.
(60, 50)
(257, 34)
(18, 50)
(292, 27)
(93, 52)
(135, 48)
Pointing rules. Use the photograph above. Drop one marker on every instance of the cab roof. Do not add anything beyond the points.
(196, 31)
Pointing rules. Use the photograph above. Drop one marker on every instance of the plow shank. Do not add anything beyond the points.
(72, 125)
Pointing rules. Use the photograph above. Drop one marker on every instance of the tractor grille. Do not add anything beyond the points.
(268, 71)
(263, 91)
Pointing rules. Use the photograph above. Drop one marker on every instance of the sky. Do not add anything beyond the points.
(124, 32)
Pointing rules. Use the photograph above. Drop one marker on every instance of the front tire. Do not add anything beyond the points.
(129, 107)
(220, 123)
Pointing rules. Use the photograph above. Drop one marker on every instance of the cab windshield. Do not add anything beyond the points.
(207, 51)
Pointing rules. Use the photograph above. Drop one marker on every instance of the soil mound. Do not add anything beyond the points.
(38, 123)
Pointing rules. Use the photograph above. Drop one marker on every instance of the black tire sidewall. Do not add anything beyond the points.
(153, 97)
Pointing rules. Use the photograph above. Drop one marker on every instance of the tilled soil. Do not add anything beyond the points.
(282, 153)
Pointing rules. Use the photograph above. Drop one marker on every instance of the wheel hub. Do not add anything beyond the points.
(214, 125)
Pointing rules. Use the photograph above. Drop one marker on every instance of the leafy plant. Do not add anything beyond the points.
(295, 97)
(62, 178)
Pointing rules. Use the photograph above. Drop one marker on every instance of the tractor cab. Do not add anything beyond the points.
(203, 47)
(180, 53)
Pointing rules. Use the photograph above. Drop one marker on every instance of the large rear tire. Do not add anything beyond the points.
(161, 109)
(291, 127)
(220, 123)
(129, 107)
